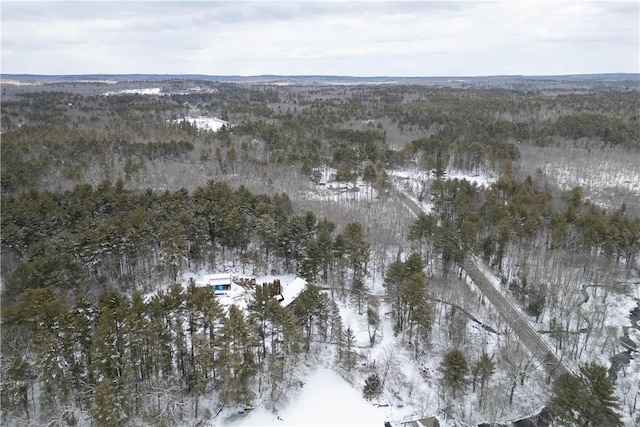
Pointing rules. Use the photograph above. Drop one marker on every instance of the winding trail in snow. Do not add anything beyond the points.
(527, 335)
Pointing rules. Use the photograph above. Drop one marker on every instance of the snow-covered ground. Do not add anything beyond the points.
(140, 91)
(569, 176)
(417, 176)
(213, 124)
(602, 187)
(329, 190)
(411, 182)
(326, 399)
(334, 397)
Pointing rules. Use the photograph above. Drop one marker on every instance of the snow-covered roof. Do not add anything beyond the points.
(217, 279)
(291, 290)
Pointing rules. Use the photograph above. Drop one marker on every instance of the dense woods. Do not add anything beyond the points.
(108, 200)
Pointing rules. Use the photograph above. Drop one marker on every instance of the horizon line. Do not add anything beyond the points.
(321, 75)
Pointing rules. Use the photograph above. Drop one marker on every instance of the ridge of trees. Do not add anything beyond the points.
(88, 238)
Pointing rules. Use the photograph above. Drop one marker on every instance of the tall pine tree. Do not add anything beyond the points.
(455, 370)
(586, 400)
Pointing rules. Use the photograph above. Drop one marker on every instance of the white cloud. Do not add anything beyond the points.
(330, 37)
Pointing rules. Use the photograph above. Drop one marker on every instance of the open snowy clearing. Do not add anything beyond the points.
(141, 91)
(325, 400)
(213, 124)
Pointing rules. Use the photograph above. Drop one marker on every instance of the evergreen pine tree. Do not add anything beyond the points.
(422, 230)
(413, 293)
(159, 341)
(335, 323)
(307, 309)
(15, 385)
(211, 317)
(236, 360)
(356, 248)
(325, 247)
(173, 246)
(135, 330)
(285, 348)
(311, 261)
(392, 281)
(261, 312)
(586, 400)
(372, 387)
(107, 409)
(347, 355)
(359, 293)
(455, 370)
(603, 401)
(201, 366)
(422, 316)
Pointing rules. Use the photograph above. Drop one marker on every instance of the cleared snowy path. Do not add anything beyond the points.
(528, 336)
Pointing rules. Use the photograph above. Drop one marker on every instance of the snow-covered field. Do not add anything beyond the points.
(213, 124)
(140, 91)
(326, 399)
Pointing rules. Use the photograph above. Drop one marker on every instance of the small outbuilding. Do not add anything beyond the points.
(220, 283)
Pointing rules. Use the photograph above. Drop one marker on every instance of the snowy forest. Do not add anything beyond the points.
(470, 252)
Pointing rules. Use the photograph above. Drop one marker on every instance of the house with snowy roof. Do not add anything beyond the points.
(290, 291)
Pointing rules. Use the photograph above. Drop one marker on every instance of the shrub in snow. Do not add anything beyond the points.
(372, 387)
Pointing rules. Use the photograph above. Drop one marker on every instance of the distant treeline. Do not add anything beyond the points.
(51, 135)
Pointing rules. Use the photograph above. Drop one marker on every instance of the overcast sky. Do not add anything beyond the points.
(356, 38)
